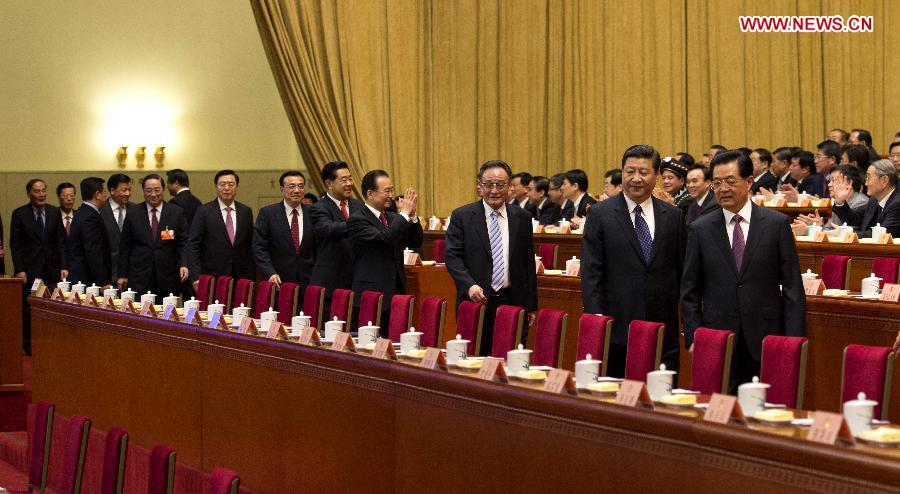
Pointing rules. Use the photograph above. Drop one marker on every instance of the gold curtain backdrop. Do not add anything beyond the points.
(430, 89)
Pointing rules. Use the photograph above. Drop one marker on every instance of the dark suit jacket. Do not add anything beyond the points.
(789, 181)
(37, 255)
(718, 296)
(865, 218)
(767, 180)
(550, 214)
(468, 254)
(209, 250)
(709, 205)
(334, 252)
(615, 278)
(189, 203)
(273, 247)
(811, 184)
(378, 251)
(568, 211)
(149, 262)
(112, 230)
(89, 253)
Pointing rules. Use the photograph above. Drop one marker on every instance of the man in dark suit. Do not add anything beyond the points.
(152, 253)
(741, 271)
(221, 235)
(334, 256)
(114, 213)
(379, 237)
(181, 194)
(518, 191)
(38, 243)
(703, 199)
(541, 207)
(574, 189)
(631, 257)
(284, 244)
(803, 166)
(781, 168)
(490, 251)
(89, 252)
(884, 201)
(65, 192)
(762, 177)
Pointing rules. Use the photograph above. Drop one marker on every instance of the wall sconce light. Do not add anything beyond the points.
(122, 155)
(160, 156)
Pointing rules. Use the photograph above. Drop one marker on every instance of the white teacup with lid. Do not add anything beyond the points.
(809, 275)
(457, 349)
(778, 196)
(813, 230)
(93, 290)
(802, 197)
(78, 287)
(238, 314)
(752, 396)
(845, 230)
(859, 413)
(870, 286)
(128, 295)
(299, 322)
(434, 223)
(332, 328)
(878, 231)
(573, 266)
(191, 304)
(64, 286)
(410, 340)
(170, 300)
(659, 382)
(368, 334)
(148, 296)
(518, 360)
(586, 371)
(214, 307)
(111, 292)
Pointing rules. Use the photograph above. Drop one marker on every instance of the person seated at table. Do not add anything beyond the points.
(543, 209)
(856, 155)
(575, 190)
(827, 158)
(554, 193)
(612, 184)
(883, 207)
(698, 186)
(673, 174)
(856, 201)
(762, 177)
(802, 165)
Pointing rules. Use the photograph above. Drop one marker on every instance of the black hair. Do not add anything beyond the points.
(845, 136)
(807, 160)
(707, 173)
(864, 136)
(719, 148)
(222, 173)
(893, 145)
(615, 177)
(857, 153)
(369, 180)
(153, 176)
(541, 184)
(117, 178)
(525, 178)
(764, 155)
(556, 180)
(90, 186)
(745, 150)
(686, 159)
(312, 197)
(329, 171)
(783, 154)
(60, 187)
(745, 166)
(492, 164)
(854, 174)
(830, 149)
(178, 176)
(31, 183)
(642, 151)
(290, 173)
(577, 176)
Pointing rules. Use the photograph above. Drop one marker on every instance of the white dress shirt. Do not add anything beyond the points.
(577, 203)
(745, 222)
(117, 210)
(158, 214)
(504, 234)
(646, 213)
(702, 199)
(288, 211)
(225, 214)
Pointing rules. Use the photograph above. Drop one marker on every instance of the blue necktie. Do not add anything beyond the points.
(643, 232)
(497, 253)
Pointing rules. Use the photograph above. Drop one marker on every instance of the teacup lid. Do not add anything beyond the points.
(873, 277)
(877, 225)
(588, 359)
(412, 330)
(662, 370)
(172, 295)
(242, 306)
(861, 401)
(520, 349)
(845, 224)
(217, 303)
(192, 298)
(754, 384)
(460, 338)
(149, 292)
(93, 285)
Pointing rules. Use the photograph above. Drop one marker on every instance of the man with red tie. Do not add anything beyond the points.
(65, 192)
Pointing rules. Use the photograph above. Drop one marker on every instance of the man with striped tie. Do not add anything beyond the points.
(490, 250)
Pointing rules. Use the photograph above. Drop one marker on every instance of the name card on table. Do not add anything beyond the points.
(723, 408)
(384, 349)
(38, 283)
(92, 301)
(434, 359)
(42, 292)
(890, 292)
(886, 239)
(821, 237)
(492, 370)
(248, 326)
(128, 306)
(275, 330)
(813, 287)
(827, 428)
(169, 313)
(74, 298)
(412, 259)
(573, 268)
(633, 392)
(559, 381)
(57, 295)
(147, 309)
(539, 267)
(217, 321)
(308, 336)
(343, 342)
(109, 303)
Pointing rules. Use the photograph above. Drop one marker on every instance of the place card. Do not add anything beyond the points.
(850, 238)
(539, 267)
(633, 392)
(890, 292)
(813, 287)
(169, 313)
(217, 321)
(559, 381)
(42, 292)
(57, 295)
(128, 306)
(887, 238)
(821, 237)
(109, 303)
(92, 301)
(147, 309)
(412, 259)
(723, 408)
(343, 342)
(492, 370)
(74, 298)
(828, 427)
(248, 326)
(37, 284)
(308, 336)
(189, 314)
(434, 359)
(573, 268)
(276, 330)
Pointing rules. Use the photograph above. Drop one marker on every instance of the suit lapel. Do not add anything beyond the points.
(720, 237)
(757, 231)
(478, 215)
(512, 224)
(660, 217)
(868, 214)
(623, 216)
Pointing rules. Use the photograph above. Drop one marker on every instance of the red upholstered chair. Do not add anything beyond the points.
(287, 300)
(161, 477)
(469, 323)
(508, 324)
(224, 289)
(594, 333)
(644, 351)
(39, 445)
(265, 298)
(113, 477)
(205, 284)
(431, 321)
(549, 337)
(548, 253)
(438, 249)
(243, 294)
(223, 481)
(711, 360)
(77, 431)
(342, 306)
(314, 305)
(834, 271)
(868, 369)
(401, 315)
(370, 305)
(783, 368)
(886, 268)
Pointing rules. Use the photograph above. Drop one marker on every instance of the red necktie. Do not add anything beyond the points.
(344, 210)
(383, 219)
(154, 224)
(295, 231)
(68, 225)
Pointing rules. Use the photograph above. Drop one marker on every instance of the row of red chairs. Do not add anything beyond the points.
(833, 272)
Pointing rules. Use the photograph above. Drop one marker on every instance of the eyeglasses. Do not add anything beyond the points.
(730, 181)
(873, 176)
(294, 186)
(894, 156)
(494, 185)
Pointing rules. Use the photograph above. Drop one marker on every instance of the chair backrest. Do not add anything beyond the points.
(314, 305)
(548, 253)
(834, 271)
(550, 334)
(594, 334)
(469, 323)
(644, 349)
(78, 430)
(783, 368)
(161, 477)
(370, 304)
(401, 315)
(265, 298)
(431, 321)
(438, 250)
(508, 324)
(342, 306)
(287, 300)
(39, 445)
(867, 369)
(711, 360)
(113, 481)
(205, 284)
(886, 268)
(223, 481)
(224, 289)
(243, 294)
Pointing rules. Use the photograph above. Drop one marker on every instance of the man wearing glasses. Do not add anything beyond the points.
(883, 207)
(490, 251)
(741, 271)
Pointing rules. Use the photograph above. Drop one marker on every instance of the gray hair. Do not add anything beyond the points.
(885, 168)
